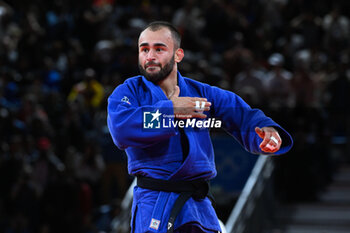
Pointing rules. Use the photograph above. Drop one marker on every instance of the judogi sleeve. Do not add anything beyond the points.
(125, 119)
(240, 120)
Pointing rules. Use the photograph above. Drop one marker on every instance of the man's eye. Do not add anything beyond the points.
(144, 50)
(159, 49)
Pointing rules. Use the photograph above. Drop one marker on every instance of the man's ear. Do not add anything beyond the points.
(179, 55)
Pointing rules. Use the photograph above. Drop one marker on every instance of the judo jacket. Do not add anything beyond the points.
(140, 120)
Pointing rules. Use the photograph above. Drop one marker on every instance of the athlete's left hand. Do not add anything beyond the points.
(271, 139)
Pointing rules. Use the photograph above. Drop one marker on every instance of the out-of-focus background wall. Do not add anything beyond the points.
(60, 60)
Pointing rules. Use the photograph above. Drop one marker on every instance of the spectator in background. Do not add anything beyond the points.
(304, 87)
(337, 31)
(339, 92)
(89, 92)
(249, 83)
(44, 164)
(309, 27)
(278, 83)
(235, 58)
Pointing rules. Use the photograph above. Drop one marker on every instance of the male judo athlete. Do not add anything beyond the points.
(173, 163)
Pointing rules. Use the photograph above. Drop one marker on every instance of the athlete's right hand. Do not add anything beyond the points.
(186, 107)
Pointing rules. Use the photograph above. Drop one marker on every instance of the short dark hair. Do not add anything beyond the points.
(157, 25)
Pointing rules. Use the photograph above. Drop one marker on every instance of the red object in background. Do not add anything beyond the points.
(43, 143)
(99, 3)
(85, 200)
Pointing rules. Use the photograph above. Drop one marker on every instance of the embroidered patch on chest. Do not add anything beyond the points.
(154, 224)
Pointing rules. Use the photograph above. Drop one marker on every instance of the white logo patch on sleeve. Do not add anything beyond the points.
(125, 100)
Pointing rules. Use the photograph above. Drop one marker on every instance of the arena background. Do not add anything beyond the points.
(60, 60)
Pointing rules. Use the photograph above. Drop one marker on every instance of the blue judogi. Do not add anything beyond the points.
(157, 153)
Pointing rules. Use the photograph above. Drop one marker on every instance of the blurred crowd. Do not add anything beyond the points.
(60, 60)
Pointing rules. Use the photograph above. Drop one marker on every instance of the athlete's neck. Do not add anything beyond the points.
(169, 83)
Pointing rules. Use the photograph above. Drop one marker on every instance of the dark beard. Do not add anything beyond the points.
(161, 75)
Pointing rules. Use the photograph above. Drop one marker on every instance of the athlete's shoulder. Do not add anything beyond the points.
(130, 85)
(195, 83)
(135, 80)
(206, 86)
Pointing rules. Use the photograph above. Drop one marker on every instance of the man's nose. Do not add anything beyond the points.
(151, 55)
